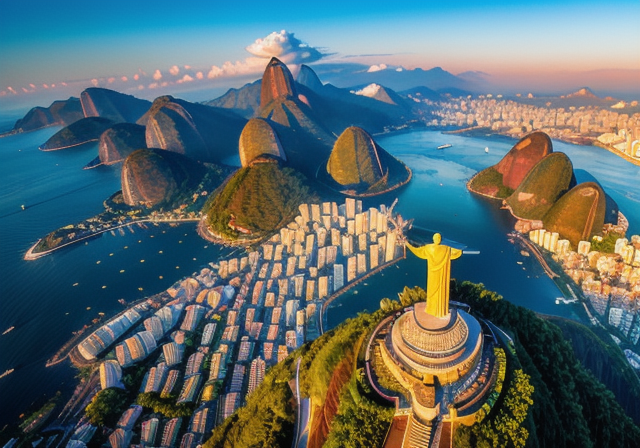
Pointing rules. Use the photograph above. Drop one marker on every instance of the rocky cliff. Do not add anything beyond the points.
(116, 106)
(204, 133)
(154, 177)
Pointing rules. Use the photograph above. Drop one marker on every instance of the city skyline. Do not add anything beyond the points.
(66, 46)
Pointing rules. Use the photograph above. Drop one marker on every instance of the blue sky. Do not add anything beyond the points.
(74, 42)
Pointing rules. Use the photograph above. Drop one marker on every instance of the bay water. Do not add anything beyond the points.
(49, 298)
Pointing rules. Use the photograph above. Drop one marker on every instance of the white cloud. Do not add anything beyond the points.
(371, 90)
(111, 80)
(286, 47)
(238, 68)
(185, 78)
(157, 75)
(377, 68)
(136, 77)
(12, 90)
(174, 70)
(124, 79)
(187, 67)
(199, 75)
(33, 86)
(94, 81)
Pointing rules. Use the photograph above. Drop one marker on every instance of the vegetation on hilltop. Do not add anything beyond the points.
(259, 198)
(82, 131)
(579, 214)
(570, 406)
(547, 181)
(489, 182)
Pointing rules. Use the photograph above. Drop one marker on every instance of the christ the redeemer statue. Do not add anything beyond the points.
(438, 258)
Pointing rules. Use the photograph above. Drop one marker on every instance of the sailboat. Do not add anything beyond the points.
(486, 149)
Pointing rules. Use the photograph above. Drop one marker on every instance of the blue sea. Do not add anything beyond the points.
(49, 298)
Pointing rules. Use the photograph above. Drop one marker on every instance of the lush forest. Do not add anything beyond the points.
(571, 408)
(547, 399)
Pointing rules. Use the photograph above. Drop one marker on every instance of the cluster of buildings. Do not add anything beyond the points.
(214, 334)
(582, 124)
(609, 281)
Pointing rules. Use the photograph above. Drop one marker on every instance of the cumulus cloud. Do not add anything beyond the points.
(286, 47)
(12, 90)
(157, 75)
(33, 86)
(136, 77)
(371, 90)
(200, 75)
(174, 70)
(111, 80)
(248, 66)
(124, 79)
(94, 81)
(377, 68)
(185, 78)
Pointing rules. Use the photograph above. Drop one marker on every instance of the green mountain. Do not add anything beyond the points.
(204, 133)
(579, 214)
(59, 113)
(77, 133)
(154, 177)
(500, 180)
(547, 181)
(257, 200)
(359, 166)
(259, 139)
(116, 106)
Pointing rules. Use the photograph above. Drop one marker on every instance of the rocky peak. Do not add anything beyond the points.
(277, 82)
(307, 77)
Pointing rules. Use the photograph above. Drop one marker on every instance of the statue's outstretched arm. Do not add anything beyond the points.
(455, 253)
(417, 251)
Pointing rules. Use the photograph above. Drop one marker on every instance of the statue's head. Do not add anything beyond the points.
(437, 238)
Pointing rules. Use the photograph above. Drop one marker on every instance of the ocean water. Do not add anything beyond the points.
(49, 298)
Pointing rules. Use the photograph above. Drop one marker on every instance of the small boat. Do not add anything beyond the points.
(448, 145)
(486, 149)
(8, 330)
(6, 372)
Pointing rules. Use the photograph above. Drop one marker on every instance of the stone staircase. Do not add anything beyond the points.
(418, 435)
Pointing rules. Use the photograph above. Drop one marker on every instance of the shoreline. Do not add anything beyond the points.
(325, 304)
(31, 254)
(627, 157)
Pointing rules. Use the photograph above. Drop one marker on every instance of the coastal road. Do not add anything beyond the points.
(302, 415)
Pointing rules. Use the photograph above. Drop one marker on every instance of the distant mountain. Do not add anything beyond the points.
(244, 101)
(584, 92)
(349, 75)
(116, 106)
(308, 78)
(59, 113)
(204, 133)
(77, 133)
(422, 92)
